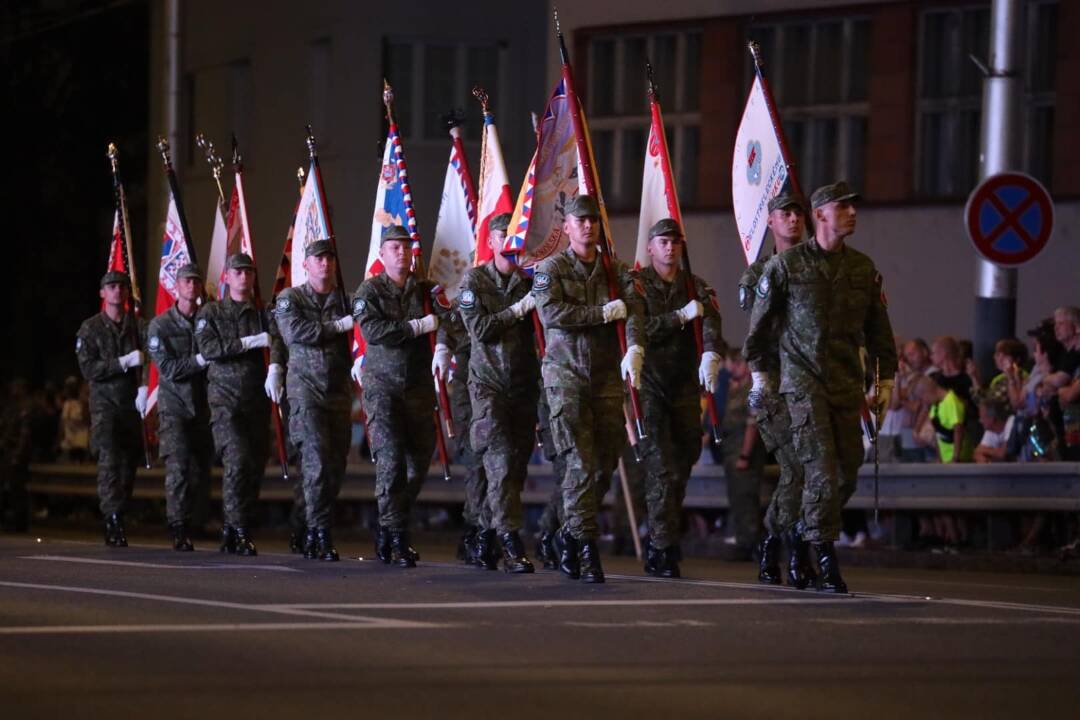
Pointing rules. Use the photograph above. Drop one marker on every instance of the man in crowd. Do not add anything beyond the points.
(183, 409)
(825, 300)
(109, 349)
(231, 335)
(581, 370)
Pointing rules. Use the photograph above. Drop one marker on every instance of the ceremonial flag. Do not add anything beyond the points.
(552, 180)
(659, 199)
(219, 250)
(455, 229)
(494, 193)
(117, 254)
(310, 225)
(174, 255)
(758, 169)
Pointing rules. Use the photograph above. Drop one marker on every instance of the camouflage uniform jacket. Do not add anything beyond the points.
(236, 375)
(582, 350)
(504, 347)
(747, 284)
(182, 384)
(98, 345)
(279, 352)
(319, 361)
(671, 358)
(822, 320)
(395, 359)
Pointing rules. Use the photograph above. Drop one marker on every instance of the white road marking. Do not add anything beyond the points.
(546, 604)
(377, 624)
(949, 621)
(640, 624)
(159, 566)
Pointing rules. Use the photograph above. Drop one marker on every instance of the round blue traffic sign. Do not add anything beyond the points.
(1009, 218)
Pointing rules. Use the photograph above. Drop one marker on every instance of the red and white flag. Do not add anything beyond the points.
(309, 226)
(117, 254)
(455, 229)
(495, 197)
(659, 198)
(174, 255)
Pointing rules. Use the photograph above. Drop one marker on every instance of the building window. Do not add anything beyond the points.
(617, 106)
(432, 79)
(951, 89)
(819, 74)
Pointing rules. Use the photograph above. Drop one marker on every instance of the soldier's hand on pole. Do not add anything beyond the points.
(130, 360)
(259, 340)
(693, 309)
(440, 364)
(427, 324)
(141, 398)
(631, 365)
(524, 306)
(275, 383)
(708, 370)
(760, 386)
(881, 399)
(614, 310)
(357, 371)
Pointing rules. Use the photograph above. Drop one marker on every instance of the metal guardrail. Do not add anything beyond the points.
(903, 486)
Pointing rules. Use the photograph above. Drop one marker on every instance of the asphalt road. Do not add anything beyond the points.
(87, 631)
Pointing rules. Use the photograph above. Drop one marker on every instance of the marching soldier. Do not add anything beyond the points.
(503, 372)
(824, 301)
(398, 392)
(274, 386)
(786, 221)
(231, 334)
(581, 372)
(671, 390)
(552, 517)
(109, 349)
(183, 409)
(317, 330)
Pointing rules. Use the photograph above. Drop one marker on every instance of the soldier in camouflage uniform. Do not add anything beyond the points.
(109, 348)
(274, 386)
(825, 301)
(183, 411)
(581, 370)
(503, 373)
(398, 391)
(317, 328)
(231, 335)
(671, 390)
(553, 516)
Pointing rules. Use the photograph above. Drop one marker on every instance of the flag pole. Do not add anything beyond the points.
(778, 126)
(134, 306)
(592, 187)
(215, 162)
(245, 229)
(676, 213)
(174, 186)
(443, 399)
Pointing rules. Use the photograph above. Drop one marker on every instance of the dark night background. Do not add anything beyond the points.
(76, 77)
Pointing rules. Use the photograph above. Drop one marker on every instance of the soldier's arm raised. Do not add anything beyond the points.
(170, 365)
(212, 345)
(94, 367)
(376, 328)
(483, 324)
(553, 309)
(296, 329)
(771, 292)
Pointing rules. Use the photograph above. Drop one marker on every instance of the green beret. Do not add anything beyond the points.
(583, 206)
(319, 247)
(499, 223)
(666, 227)
(394, 232)
(240, 261)
(836, 192)
(115, 276)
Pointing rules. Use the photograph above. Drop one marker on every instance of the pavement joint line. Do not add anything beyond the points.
(159, 566)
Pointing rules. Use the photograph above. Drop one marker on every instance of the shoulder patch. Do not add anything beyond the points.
(200, 325)
(359, 306)
(283, 304)
(467, 299)
(762, 286)
(154, 343)
(541, 281)
(78, 344)
(439, 296)
(745, 298)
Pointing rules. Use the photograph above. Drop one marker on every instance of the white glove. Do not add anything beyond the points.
(341, 325)
(275, 383)
(710, 366)
(614, 310)
(440, 364)
(524, 306)
(761, 385)
(140, 399)
(203, 362)
(132, 359)
(261, 340)
(423, 326)
(631, 364)
(689, 311)
(357, 371)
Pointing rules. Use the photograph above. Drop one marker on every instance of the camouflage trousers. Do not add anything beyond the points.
(298, 512)
(503, 434)
(553, 516)
(241, 436)
(588, 433)
(402, 434)
(322, 435)
(187, 449)
(774, 426)
(671, 446)
(744, 497)
(828, 442)
(476, 512)
(115, 437)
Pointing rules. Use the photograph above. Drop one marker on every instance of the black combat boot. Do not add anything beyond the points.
(829, 580)
(567, 548)
(515, 559)
(769, 561)
(114, 531)
(589, 557)
(382, 545)
(311, 544)
(296, 540)
(545, 551)
(325, 549)
(653, 558)
(244, 546)
(228, 539)
(669, 562)
(801, 573)
(487, 555)
(180, 539)
(400, 553)
(465, 545)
